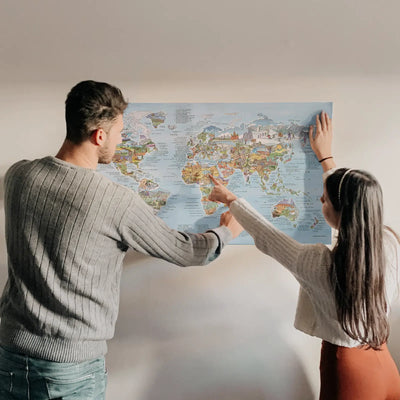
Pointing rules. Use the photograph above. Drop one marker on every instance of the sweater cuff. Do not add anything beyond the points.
(224, 236)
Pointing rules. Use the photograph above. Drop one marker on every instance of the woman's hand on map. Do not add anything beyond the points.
(220, 193)
(228, 220)
(321, 141)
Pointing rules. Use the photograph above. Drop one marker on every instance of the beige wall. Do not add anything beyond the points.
(224, 331)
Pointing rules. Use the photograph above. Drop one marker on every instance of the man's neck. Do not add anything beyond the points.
(81, 155)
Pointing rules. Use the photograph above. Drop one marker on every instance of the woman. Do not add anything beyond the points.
(345, 292)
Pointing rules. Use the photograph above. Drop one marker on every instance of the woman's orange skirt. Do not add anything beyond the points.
(358, 374)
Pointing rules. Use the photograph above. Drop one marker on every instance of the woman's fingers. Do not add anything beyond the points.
(323, 121)
(328, 121)
(317, 123)
(215, 181)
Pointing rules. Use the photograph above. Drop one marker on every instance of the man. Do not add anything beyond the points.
(67, 231)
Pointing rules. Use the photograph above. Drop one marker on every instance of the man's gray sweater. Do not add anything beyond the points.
(67, 231)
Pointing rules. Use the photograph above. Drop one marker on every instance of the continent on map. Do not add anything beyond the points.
(287, 209)
(131, 152)
(129, 155)
(148, 185)
(155, 199)
(157, 118)
(196, 173)
(249, 153)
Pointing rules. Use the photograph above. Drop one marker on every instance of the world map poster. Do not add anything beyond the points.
(261, 151)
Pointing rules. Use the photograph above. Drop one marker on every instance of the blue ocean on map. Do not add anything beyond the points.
(261, 152)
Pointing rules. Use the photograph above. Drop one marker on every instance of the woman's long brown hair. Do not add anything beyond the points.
(358, 268)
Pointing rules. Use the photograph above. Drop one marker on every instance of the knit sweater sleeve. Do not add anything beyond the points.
(146, 233)
(303, 260)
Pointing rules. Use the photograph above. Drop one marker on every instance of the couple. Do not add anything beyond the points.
(68, 229)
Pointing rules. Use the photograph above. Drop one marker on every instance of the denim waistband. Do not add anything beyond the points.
(22, 361)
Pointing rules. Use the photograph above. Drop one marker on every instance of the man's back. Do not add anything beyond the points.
(64, 253)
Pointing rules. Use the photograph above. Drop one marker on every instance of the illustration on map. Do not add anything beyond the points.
(261, 151)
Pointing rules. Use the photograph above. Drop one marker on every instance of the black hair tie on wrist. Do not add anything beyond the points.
(326, 158)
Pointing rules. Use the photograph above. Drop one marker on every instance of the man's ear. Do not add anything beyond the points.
(98, 137)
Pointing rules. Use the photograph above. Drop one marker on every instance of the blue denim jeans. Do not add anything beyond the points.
(27, 378)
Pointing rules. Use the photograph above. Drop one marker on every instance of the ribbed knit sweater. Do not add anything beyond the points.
(310, 264)
(67, 231)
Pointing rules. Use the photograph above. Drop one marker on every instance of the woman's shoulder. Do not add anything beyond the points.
(320, 253)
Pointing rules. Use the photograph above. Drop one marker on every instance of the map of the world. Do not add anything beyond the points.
(261, 151)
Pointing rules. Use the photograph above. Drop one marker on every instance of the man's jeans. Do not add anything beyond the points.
(23, 378)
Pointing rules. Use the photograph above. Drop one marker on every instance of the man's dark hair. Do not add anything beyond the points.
(89, 106)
